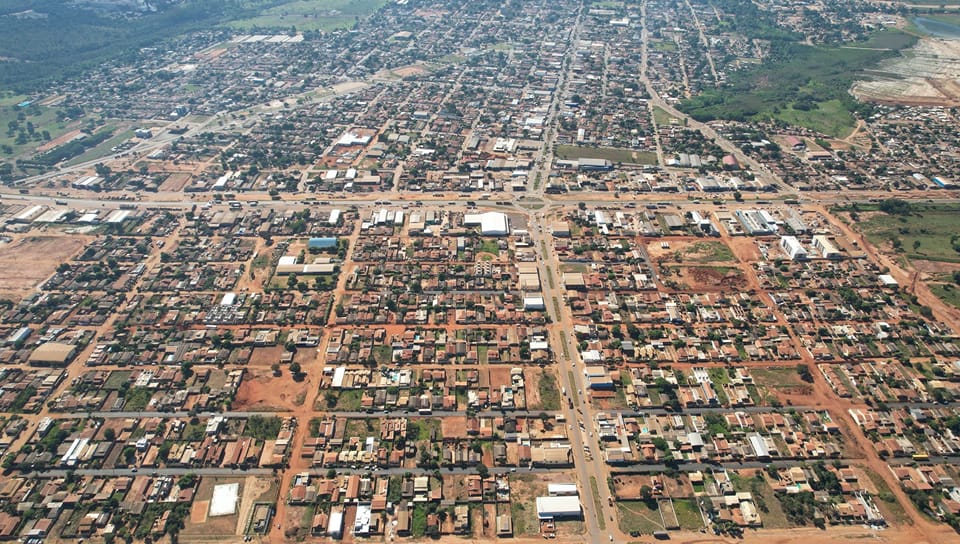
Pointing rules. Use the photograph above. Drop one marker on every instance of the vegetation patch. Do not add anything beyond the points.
(310, 15)
(919, 231)
(800, 84)
(549, 391)
(262, 427)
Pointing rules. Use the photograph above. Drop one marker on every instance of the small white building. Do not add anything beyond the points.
(534, 304)
(562, 490)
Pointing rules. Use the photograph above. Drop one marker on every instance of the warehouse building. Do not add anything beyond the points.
(563, 507)
(792, 247)
(490, 223)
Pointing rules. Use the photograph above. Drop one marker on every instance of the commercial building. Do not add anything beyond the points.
(828, 249)
(792, 247)
(565, 507)
(490, 223)
(53, 354)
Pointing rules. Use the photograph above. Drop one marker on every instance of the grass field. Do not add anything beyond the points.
(101, 150)
(947, 292)
(638, 516)
(311, 15)
(595, 489)
(661, 116)
(933, 226)
(549, 391)
(8, 98)
(708, 252)
(612, 154)
(663, 45)
(688, 514)
(831, 118)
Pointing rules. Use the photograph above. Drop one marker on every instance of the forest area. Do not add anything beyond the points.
(50, 40)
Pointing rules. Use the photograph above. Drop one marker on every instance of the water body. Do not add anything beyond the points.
(937, 28)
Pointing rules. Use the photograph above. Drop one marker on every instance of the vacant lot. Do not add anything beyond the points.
(176, 182)
(612, 154)
(549, 391)
(704, 278)
(694, 252)
(639, 516)
(523, 492)
(28, 261)
(771, 382)
(262, 391)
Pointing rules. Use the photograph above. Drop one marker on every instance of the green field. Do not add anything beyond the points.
(688, 514)
(663, 45)
(101, 150)
(831, 118)
(349, 401)
(311, 15)
(661, 116)
(947, 292)
(41, 118)
(800, 84)
(8, 98)
(932, 226)
(612, 154)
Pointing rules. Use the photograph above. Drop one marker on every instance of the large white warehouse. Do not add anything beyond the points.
(490, 223)
(564, 507)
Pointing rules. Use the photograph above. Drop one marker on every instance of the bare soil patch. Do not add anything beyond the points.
(744, 248)
(29, 260)
(708, 278)
(262, 391)
(410, 71)
(175, 182)
(266, 356)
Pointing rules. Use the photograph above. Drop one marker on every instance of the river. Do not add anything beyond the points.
(934, 27)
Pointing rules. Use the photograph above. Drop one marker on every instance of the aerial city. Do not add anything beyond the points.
(480, 271)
